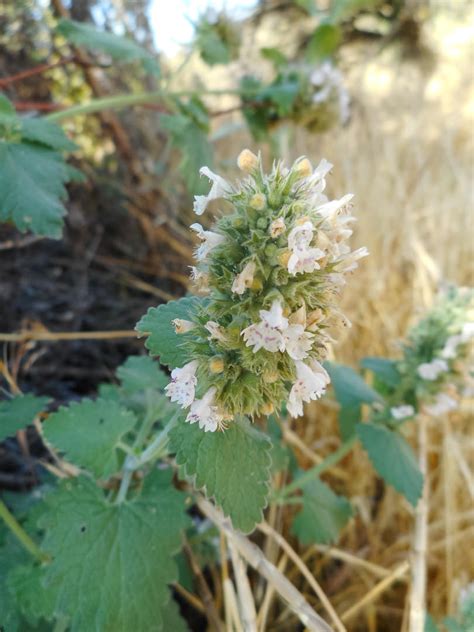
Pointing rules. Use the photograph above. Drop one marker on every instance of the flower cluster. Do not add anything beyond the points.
(271, 269)
(435, 366)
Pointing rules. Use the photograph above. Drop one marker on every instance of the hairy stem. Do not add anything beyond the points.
(21, 535)
(318, 469)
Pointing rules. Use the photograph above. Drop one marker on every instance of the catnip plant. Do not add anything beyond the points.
(271, 270)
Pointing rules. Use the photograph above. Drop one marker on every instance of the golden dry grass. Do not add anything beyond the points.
(407, 156)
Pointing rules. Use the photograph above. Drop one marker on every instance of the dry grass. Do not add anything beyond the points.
(407, 156)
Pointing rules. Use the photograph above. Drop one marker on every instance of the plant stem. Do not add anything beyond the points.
(154, 450)
(315, 471)
(121, 101)
(16, 528)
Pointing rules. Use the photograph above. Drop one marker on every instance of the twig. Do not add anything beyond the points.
(37, 70)
(268, 597)
(420, 539)
(206, 595)
(52, 336)
(254, 556)
(376, 591)
(264, 527)
(20, 243)
(244, 592)
(194, 601)
(349, 558)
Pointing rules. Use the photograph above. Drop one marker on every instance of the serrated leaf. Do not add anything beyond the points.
(138, 373)
(88, 433)
(112, 563)
(32, 180)
(324, 42)
(34, 602)
(323, 516)
(162, 341)
(118, 47)
(47, 133)
(19, 412)
(384, 369)
(393, 459)
(232, 466)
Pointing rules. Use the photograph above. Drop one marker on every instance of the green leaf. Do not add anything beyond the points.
(430, 625)
(47, 133)
(138, 373)
(172, 619)
(384, 369)
(118, 47)
(232, 466)
(189, 134)
(112, 563)
(32, 180)
(393, 459)
(274, 55)
(323, 516)
(324, 42)
(25, 582)
(350, 391)
(88, 433)
(283, 95)
(162, 340)
(19, 412)
(344, 9)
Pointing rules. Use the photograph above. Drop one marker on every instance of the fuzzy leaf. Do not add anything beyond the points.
(393, 459)
(32, 179)
(351, 391)
(19, 412)
(232, 466)
(323, 516)
(118, 47)
(34, 602)
(112, 563)
(384, 369)
(138, 373)
(39, 130)
(88, 433)
(162, 340)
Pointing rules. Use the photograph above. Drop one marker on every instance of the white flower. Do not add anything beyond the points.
(402, 412)
(311, 382)
(467, 332)
(267, 334)
(297, 341)
(330, 209)
(443, 404)
(303, 258)
(205, 412)
(349, 261)
(219, 189)
(183, 383)
(431, 370)
(209, 241)
(182, 326)
(216, 331)
(244, 279)
(451, 346)
(277, 227)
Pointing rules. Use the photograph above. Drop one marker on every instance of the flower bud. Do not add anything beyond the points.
(247, 161)
(284, 258)
(267, 408)
(258, 201)
(277, 227)
(216, 365)
(182, 326)
(262, 223)
(304, 168)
